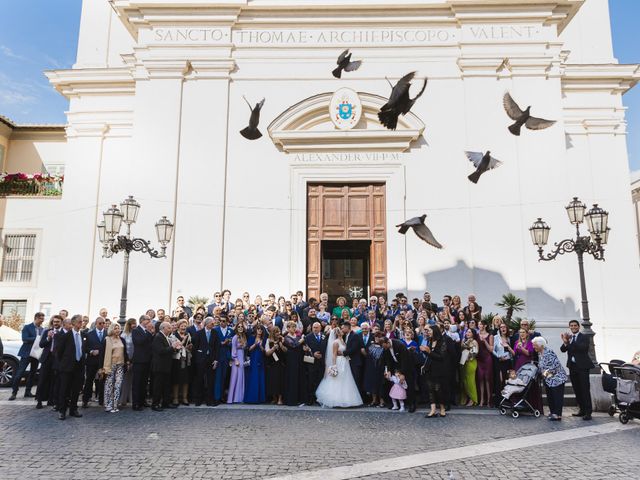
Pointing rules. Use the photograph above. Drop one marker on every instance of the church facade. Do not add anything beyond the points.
(157, 100)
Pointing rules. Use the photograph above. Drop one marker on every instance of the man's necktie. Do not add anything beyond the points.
(78, 343)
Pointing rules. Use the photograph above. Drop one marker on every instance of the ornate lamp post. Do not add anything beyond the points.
(593, 244)
(113, 242)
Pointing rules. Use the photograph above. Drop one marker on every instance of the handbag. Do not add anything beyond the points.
(309, 359)
(36, 350)
(464, 356)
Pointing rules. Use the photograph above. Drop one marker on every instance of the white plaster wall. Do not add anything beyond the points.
(588, 36)
(103, 37)
(30, 155)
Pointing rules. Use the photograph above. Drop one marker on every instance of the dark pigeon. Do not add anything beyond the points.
(482, 163)
(421, 230)
(344, 63)
(523, 118)
(252, 132)
(399, 102)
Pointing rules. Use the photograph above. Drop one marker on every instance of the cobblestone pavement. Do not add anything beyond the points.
(613, 457)
(270, 441)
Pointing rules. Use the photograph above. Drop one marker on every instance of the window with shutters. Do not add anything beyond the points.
(18, 258)
(14, 309)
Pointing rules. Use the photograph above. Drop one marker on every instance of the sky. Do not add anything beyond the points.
(37, 35)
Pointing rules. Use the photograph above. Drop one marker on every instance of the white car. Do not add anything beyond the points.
(10, 361)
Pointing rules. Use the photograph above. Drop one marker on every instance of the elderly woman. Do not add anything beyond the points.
(342, 305)
(180, 364)
(554, 377)
(113, 361)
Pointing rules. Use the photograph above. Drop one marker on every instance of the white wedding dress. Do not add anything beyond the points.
(341, 390)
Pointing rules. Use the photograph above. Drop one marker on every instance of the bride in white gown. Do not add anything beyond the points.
(339, 390)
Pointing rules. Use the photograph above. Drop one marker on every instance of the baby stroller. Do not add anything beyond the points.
(627, 391)
(518, 403)
(610, 383)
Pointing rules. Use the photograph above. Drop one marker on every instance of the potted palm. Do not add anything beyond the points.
(511, 303)
(196, 301)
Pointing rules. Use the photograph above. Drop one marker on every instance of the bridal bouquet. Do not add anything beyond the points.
(333, 371)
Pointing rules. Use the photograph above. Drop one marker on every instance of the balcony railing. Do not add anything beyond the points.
(30, 185)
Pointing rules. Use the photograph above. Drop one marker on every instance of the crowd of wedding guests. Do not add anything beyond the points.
(272, 350)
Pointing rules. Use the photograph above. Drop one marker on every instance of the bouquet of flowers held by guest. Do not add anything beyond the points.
(333, 371)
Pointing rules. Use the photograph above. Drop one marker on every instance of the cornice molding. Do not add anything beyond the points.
(92, 81)
(611, 77)
(144, 14)
(594, 120)
(100, 123)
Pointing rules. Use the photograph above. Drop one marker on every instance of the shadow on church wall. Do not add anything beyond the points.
(489, 286)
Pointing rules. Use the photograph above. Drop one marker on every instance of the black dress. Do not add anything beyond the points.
(373, 370)
(274, 372)
(438, 372)
(293, 372)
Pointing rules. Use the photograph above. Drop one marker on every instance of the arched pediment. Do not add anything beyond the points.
(307, 127)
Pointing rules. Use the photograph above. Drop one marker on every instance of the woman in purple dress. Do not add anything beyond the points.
(484, 375)
(523, 350)
(236, 384)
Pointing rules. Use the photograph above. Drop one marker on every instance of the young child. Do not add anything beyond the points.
(513, 384)
(398, 392)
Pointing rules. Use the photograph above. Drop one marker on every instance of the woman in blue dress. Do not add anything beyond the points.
(254, 391)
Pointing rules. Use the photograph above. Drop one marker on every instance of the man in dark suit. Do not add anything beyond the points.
(196, 326)
(225, 334)
(46, 376)
(206, 346)
(426, 298)
(368, 363)
(354, 345)
(29, 334)
(312, 305)
(162, 356)
(315, 344)
(310, 319)
(142, 337)
(70, 366)
(185, 308)
(93, 351)
(367, 337)
(217, 302)
(576, 346)
(398, 357)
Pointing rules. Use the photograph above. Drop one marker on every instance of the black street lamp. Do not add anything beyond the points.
(593, 244)
(113, 242)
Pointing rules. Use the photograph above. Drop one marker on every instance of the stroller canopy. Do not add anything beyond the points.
(527, 372)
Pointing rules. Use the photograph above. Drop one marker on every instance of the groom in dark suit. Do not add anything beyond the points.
(576, 345)
(353, 351)
(316, 346)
